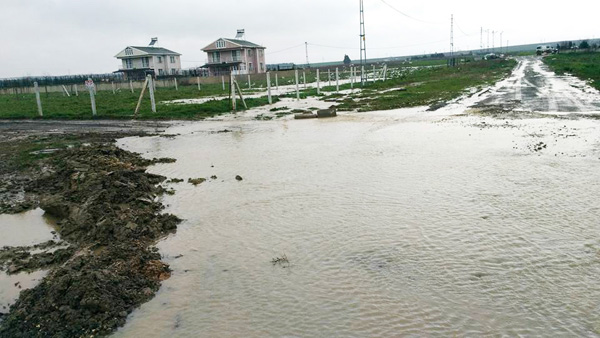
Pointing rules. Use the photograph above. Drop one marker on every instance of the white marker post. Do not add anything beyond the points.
(151, 85)
(112, 85)
(351, 77)
(318, 83)
(232, 88)
(37, 98)
(76, 91)
(362, 76)
(131, 86)
(176, 87)
(223, 81)
(249, 82)
(277, 81)
(304, 79)
(92, 89)
(269, 87)
(198, 80)
(297, 87)
(337, 80)
(329, 76)
(374, 76)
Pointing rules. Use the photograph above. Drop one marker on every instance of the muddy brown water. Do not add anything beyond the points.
(404, 223)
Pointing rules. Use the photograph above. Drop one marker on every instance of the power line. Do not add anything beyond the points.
(283, 50)
(408, 16)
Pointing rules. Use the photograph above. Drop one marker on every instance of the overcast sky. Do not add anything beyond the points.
(59, 37)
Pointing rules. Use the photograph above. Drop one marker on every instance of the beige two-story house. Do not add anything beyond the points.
(236, 56)
(139, 61)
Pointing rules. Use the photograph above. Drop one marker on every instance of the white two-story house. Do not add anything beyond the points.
(139, 61)
(235, 55)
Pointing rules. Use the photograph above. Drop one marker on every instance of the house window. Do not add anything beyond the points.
(236, 55)
(261, 67)
(128, 51)
(145, 62)
(173, 71)
(250, 52)
(161, 72)
(216, 57)
(128, 64)
(172, 59)
(160, 59)
(260, 52)
(250, 66)
(220, 44)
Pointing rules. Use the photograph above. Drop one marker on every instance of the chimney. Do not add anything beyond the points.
(241, 34)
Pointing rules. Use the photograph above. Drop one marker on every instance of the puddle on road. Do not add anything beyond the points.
(394, 223)
(24, 229)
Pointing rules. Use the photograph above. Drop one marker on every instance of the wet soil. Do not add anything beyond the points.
(108, 215)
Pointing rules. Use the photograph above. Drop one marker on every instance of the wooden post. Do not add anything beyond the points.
(304, 79)
(240, 93)
(223, 81)
(131, 86)
(318, 83)
(152, 101)
(249, 82)
(175, 80)
(198, 81)
(337, 80)
(66, 91)
(92, 90)
(297, 87)
(374, 73)
(139, 103)
(37, 98)
(232, 90)
(269, 87)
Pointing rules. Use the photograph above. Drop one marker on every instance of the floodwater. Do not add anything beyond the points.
(25, 229)
(400, 223)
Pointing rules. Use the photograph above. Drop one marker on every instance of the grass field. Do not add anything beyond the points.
(425, 86)
(585, 66)
(429, 83)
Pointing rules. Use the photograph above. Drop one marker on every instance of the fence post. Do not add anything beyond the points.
(318, 83)
(277, 81)
(297, 87)
(304, 79)
(131, 86)
(374, 73)
(269, 87)
(232, 89)
(112, 85)
(175, 80)
(223, 81)
(351, 77)
(76, 90)
(151, 85)
(198, 80)
(337, 80)
(249, 82)
(92, 89)
(329, 76)
(37, 98)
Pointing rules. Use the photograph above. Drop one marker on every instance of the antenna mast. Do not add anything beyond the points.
(363, 44)
(452, 40)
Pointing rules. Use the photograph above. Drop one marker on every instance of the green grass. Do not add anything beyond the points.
(426, 86)
(585, 66)
(122, 104)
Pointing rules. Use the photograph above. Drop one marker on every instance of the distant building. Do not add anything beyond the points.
(235, 55)
(139, 61)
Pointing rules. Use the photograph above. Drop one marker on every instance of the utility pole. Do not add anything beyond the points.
(501, 41)
(481, 40)
(452, 40)
(363, 44)
(306, 47)
(488, 40)
(493, 44)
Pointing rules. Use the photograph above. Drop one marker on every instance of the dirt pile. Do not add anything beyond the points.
(107, 209)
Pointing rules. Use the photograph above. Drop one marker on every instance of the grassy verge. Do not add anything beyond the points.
(585, 66)
(121, 105)
(425, 86)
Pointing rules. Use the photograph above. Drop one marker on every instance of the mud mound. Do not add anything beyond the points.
(108, 210)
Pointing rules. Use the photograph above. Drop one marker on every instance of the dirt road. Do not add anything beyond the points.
(533, 87)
